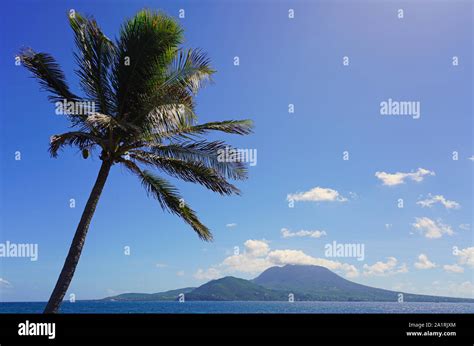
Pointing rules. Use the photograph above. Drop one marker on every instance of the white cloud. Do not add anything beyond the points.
(465, 226)
(385, 268)
(286, 233)
(392, 179)
(353, 195)
(161, 265)
(424, 263)
(465, 256)
(180, 273)
(388, 225)
(431, 200)
(256, 248)
(430, 228)
(453, 268)
(208, 274)
(282, 257)
(257, 257)
(5, 283)
(231, 225)
(402, 269)
(317, 194)
(245, 263)
(471, 158)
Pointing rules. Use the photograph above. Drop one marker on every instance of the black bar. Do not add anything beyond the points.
(223, 329)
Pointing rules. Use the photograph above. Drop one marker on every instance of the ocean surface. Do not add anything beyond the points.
(194, 307)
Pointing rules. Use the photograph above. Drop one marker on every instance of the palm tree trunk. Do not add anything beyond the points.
(77, 244)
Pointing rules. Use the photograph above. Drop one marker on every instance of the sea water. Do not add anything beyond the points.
(195, 307)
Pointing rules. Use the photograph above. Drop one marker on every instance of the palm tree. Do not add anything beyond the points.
(142, 86)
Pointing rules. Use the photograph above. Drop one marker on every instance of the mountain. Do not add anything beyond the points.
(304, 282)
(230, 288)
(308, 282)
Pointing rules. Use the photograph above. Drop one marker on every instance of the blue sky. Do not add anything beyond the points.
(283, 61)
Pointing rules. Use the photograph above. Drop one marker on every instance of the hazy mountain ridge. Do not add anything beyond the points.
(164, 296)
(304, 282)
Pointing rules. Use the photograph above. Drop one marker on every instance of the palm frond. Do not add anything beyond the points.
(146, 47)
(167, 117)
(164, 113)
(103, 122)
(207, 153)
(169, 198)
(165, 110)
(238, 127)
(191, 69)
(94, 57)
(81, 140)
(49, 74)
(194, 172)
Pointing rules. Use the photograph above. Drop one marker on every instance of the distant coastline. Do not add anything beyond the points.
(289, 283)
